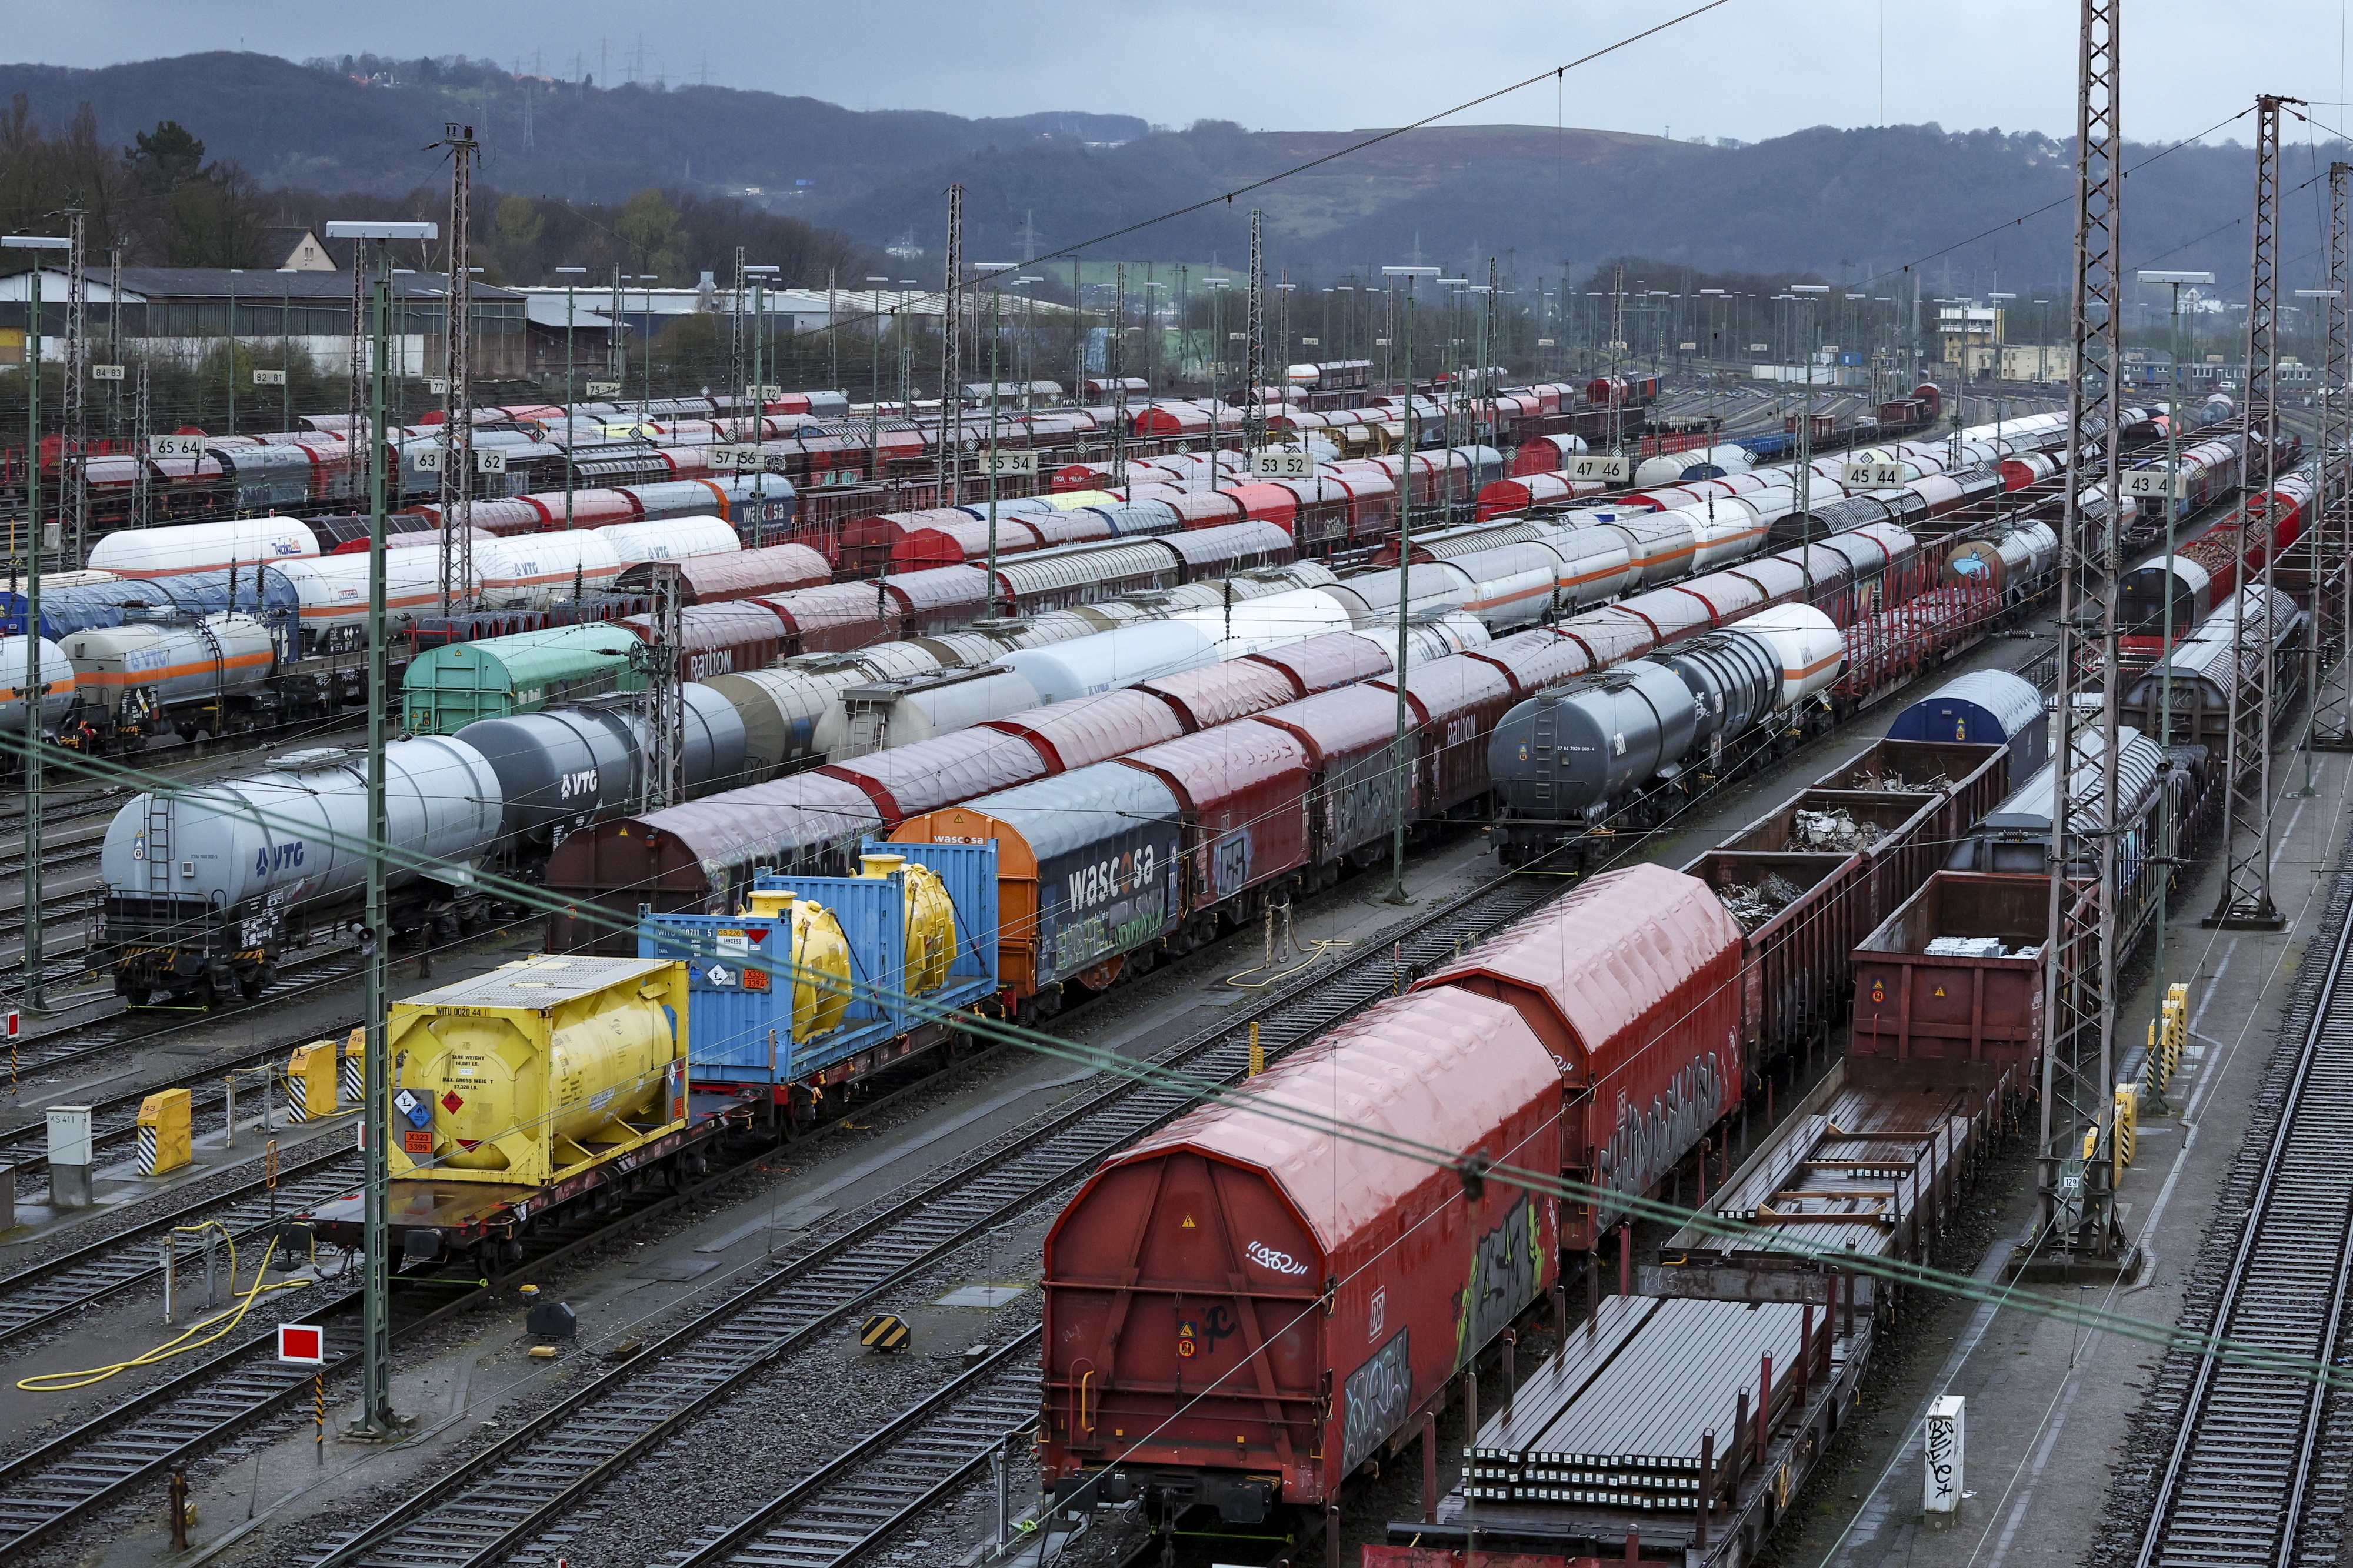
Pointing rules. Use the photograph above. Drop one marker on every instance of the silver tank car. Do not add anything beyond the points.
(203, 890)
(131, 677)
(1568, 757)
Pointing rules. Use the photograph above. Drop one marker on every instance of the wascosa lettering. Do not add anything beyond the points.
(1107, 879)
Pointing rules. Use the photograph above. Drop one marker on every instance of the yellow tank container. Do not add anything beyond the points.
(538, 1069)
(931, 921)
(311, 1074)
(165, 1131)
(819, 959)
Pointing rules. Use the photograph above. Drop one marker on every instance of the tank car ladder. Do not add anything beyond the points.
(205, 629)
(158, 845)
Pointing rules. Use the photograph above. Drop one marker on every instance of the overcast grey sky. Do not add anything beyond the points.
(1752, 69)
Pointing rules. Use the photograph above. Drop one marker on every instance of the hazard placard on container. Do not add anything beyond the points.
(303, 1342)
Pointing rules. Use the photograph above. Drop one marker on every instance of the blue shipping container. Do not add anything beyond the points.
(741, 991)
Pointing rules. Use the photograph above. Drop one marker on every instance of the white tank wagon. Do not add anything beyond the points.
(181, 548)
(57, 685)
(532, 571)
(335, 594)
(205, 889)
(671, 539)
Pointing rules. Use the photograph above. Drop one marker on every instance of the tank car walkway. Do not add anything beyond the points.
(2050, 1407)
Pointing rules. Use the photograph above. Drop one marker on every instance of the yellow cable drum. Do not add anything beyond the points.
(931, 921)
(819, 960)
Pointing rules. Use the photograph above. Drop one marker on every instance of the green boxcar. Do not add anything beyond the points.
(449, 688)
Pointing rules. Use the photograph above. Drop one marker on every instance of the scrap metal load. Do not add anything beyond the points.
(1831, 829)
(1753, 906)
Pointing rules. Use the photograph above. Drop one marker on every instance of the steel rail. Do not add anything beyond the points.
(2232, 1488)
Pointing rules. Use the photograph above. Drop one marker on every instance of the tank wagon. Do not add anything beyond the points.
(521, 1096)
(205, 887)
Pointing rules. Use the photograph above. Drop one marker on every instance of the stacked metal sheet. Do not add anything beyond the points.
(1856, 1176)
(1620, 1416)
(1966, 947)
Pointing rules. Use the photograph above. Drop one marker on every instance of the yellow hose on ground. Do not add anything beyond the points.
(66, 1381)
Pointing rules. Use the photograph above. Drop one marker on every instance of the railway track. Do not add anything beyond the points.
(67, 846)
(512, 1492)
(96, 1464)
(892, 1476)
(36, 1297)
(114, 1120)
(2238, 1483)
(483, 1509)
(298, 976)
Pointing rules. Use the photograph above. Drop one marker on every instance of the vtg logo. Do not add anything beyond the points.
(583, 783)
(278, 857)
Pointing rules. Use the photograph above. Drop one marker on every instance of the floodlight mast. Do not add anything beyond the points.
(376, 1419)
(2176, 280)
(36, 989)
(1400, 760)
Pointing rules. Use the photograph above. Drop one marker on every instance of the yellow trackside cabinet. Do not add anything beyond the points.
(537, 1070)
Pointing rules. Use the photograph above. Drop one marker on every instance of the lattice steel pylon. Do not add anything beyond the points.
(355, 432)
(1254, 351)
(2332, 699)
(458, 401)
(2245, 902)
(662, 662)
(73, 462)
(952, 356)
(1116, 363)
(2076, 1211)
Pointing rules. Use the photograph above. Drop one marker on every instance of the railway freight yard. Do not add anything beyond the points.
(700, 902)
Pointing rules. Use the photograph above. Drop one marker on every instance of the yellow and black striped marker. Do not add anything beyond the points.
(883, 1334)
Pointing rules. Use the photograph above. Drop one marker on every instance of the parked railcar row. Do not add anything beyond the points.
(1226, 821)
(806, 440)
(1749, 954)
(2207, 570)
(217, 678)
(498, 679)
(208, 889)
(1504, 1052)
